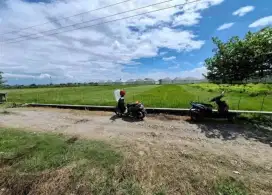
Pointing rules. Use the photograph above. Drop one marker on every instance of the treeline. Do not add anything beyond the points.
(241, 59)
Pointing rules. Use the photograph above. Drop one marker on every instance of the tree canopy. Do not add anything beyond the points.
(241, 59)
(1, 79)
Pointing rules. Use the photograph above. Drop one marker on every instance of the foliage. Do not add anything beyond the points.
(1, 79)
(241, 59)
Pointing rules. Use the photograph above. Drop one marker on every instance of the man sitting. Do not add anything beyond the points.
(121, 102)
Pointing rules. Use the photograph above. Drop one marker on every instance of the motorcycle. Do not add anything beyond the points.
(199, 110)
(135, 110)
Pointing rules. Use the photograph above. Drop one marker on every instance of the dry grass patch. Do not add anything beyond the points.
(55, 165)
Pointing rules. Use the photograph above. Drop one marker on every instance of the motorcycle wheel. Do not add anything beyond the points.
(194, 116)
(141, 115)
(231, 118)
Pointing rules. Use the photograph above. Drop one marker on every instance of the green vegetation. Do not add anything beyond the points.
(250, 89)
(31, 152)
(230, 187)
(32, 163)
(39, 163)
(241, 59)
(1, 79)
(247, 97)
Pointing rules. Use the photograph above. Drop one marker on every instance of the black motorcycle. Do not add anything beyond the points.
(134, 110)
(198, 111)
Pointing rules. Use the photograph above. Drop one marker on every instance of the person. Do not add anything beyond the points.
(121, 102)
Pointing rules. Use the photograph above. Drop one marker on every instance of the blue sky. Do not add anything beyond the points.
(169, 43)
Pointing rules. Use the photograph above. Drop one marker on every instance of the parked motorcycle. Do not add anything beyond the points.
(134, 110)
(199, 110)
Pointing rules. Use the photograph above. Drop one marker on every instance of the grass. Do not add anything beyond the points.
(250, 89)
(230, 186)
(39, 163)
(30, 152)
(248, 97)
(30, 162)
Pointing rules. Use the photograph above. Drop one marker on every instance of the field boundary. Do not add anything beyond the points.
(175, 111)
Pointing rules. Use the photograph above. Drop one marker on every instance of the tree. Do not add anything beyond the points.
(1, 79)
(241, 59)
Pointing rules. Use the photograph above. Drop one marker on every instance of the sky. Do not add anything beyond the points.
(110, 44)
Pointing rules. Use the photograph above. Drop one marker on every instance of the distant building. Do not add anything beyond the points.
(102, 83)
(148, 81)
(109, 82)
(165, 81)
(139, 82)
(118, 82)
(130, 82)
(187, 80)
(178, 80)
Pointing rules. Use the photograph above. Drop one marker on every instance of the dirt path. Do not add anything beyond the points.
(222, 139)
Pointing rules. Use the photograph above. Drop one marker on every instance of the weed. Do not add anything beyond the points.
(230, 187)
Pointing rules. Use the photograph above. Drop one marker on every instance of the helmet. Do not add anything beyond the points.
(122, 93)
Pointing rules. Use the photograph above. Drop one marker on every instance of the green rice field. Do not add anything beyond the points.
(242, 97)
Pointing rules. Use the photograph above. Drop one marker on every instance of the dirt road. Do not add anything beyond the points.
(238, 141)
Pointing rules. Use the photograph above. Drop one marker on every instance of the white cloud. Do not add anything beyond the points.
(243, 10)
(173, 39)
(169, 58)
(187, 19)
(176, 66)
(95, 53)
(162, 53)
(200, 63)
(262, 22)
(225, 26)
(44, 76)
(191, 13)
(26, 76)
(196, 73)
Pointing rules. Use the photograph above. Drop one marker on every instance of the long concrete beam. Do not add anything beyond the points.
(176, 111)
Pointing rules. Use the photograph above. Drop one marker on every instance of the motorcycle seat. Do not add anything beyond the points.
(207, 105)
(132, 104)
(202, 104)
